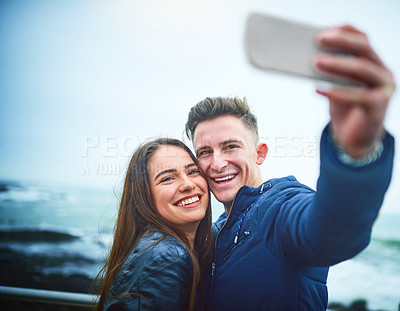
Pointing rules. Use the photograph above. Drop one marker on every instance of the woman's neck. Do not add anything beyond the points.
(190, 232)
(191, 240)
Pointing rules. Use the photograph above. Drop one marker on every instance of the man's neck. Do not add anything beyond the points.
(228, 207)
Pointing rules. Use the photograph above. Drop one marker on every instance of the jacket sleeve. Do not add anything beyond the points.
(335, 223)
(160, 280)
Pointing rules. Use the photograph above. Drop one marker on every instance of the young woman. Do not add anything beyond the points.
(162, 239)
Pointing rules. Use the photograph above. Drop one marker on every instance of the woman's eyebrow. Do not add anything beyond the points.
(190, 165)
(171, 170)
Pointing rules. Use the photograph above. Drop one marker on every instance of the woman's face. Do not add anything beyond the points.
(180, 192)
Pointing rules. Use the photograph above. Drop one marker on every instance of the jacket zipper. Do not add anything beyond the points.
(213, 267)
(236, 243)
(213, 263)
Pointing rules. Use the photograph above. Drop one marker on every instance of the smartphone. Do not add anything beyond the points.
(278, 44)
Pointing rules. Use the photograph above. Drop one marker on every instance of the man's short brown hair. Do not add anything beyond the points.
(213, 107)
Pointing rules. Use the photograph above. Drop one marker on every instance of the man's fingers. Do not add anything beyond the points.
(350, 28)
(356, 69)
(364, 97)
(348, 39)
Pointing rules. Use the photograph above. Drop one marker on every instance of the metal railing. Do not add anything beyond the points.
(48, 296)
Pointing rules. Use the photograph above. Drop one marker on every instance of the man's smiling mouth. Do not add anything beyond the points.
(224, 178)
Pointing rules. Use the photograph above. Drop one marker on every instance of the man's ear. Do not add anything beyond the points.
(262, 150)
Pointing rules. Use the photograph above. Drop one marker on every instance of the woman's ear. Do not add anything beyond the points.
(262, 150)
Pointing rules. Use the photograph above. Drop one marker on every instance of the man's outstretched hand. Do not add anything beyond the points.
(357, 113)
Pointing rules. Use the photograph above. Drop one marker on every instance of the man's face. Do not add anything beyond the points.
(228, 156)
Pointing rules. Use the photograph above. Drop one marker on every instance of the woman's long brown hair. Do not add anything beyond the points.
(137, 216)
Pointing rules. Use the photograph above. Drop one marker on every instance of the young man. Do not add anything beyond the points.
(276, 240)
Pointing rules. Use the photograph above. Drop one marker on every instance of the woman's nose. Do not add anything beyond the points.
(186, 185)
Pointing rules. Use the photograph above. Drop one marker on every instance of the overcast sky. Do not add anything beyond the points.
(83, 82)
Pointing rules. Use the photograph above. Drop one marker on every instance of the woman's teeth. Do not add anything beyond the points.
(188, 201)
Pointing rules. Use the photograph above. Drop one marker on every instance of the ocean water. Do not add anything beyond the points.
(76, 222)
(83, 217)
(374, 274)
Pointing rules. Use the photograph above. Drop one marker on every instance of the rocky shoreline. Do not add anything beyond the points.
(356, 305)
(27, 270)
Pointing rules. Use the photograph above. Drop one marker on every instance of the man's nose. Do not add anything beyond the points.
(218, 163)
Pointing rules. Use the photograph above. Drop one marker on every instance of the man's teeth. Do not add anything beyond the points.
(224, 178)
(188, 201)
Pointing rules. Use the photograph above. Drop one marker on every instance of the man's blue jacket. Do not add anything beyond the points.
(274, 250)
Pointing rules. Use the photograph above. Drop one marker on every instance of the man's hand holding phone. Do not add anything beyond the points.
(357, 113)
(361, 84)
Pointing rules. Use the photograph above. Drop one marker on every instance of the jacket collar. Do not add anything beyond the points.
(248, 195)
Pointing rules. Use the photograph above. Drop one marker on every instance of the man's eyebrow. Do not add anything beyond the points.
(229, 141)
(222, 143)
(202, 148)
(172, 170)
